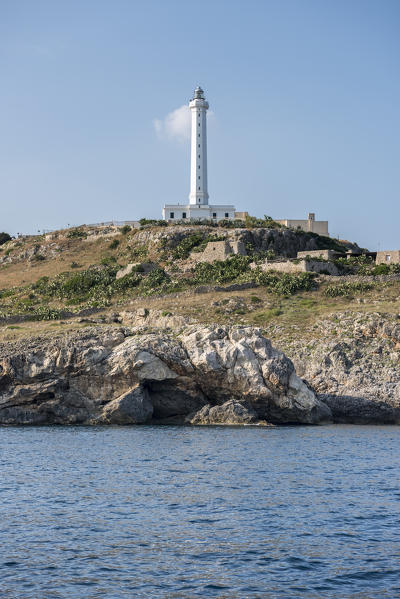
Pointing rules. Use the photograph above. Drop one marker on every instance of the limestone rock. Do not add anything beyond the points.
(353, 366)
(231, 412)
(143, 267)
(125, 376)
(133, 407)
(123, 272)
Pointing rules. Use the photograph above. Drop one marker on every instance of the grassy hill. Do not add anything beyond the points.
(46, 281)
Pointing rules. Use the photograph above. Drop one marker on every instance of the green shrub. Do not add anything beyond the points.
(8, 292)
(78, 285)
(76, 234)
(46, 313)
(140, 251)
(157, 280)
(114, 244)
(41, 284)
(220, 271)
(127, 282)
(184, 248)
(252, 222)
(385, 269)
(125, 229)
(284, 283)
(155, 222)
(230, 224)
(4, 237)
(108, 261)
(347, 288)
(255, 299)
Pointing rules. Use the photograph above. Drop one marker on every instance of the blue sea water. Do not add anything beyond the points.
(221, 512)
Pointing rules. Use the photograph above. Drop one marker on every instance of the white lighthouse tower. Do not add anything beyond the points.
(198, 157)
(198, 207)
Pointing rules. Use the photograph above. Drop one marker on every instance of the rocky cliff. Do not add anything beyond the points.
(128, 375)
(353, 364)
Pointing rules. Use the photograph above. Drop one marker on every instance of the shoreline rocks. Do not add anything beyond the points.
(110, 375)
(353, 365)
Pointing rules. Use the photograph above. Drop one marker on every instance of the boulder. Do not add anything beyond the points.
(133, 407)
(232, 412)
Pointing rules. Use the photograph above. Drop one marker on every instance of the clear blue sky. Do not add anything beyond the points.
(305, 96)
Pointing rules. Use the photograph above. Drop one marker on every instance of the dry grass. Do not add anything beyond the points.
(83, 252)
(297, 312)
(294, 315)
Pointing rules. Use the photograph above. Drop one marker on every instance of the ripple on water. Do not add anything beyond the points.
(199, 512)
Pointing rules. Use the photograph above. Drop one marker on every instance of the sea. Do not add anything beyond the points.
(180, 512)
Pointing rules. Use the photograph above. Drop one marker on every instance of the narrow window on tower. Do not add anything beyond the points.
(199, 190)
(199, 164)
(199, 134)
(199, 145)
(199, 177)
(199, 155)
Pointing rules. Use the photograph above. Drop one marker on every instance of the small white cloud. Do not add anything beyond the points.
(176, 125)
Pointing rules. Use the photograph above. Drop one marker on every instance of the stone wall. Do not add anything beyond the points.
(300, 266)
(220, 250)
(325, 254)
(388, 257)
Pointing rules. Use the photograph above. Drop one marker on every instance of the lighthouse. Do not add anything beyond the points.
(198, 154)
(198, 208)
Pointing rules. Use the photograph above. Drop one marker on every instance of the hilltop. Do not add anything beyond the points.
(77, 268)
(107, 268)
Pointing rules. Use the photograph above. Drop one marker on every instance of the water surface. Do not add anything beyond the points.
(221, 512)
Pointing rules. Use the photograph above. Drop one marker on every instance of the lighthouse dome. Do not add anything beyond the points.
(198, 93)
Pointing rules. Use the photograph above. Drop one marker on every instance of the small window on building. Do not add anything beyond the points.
(226, 214)
(199, 165)
(183, 214)
(199, 190)
(199, 134)
(199, 177)
(214, 215)
(199, 145)
(172, 215)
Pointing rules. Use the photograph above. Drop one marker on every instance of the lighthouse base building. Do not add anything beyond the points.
(198, 207)
(174, 212)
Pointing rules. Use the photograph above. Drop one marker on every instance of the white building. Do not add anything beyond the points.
(198, 207)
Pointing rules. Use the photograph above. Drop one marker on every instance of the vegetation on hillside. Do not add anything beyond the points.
(45, 276)
(4, 237)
